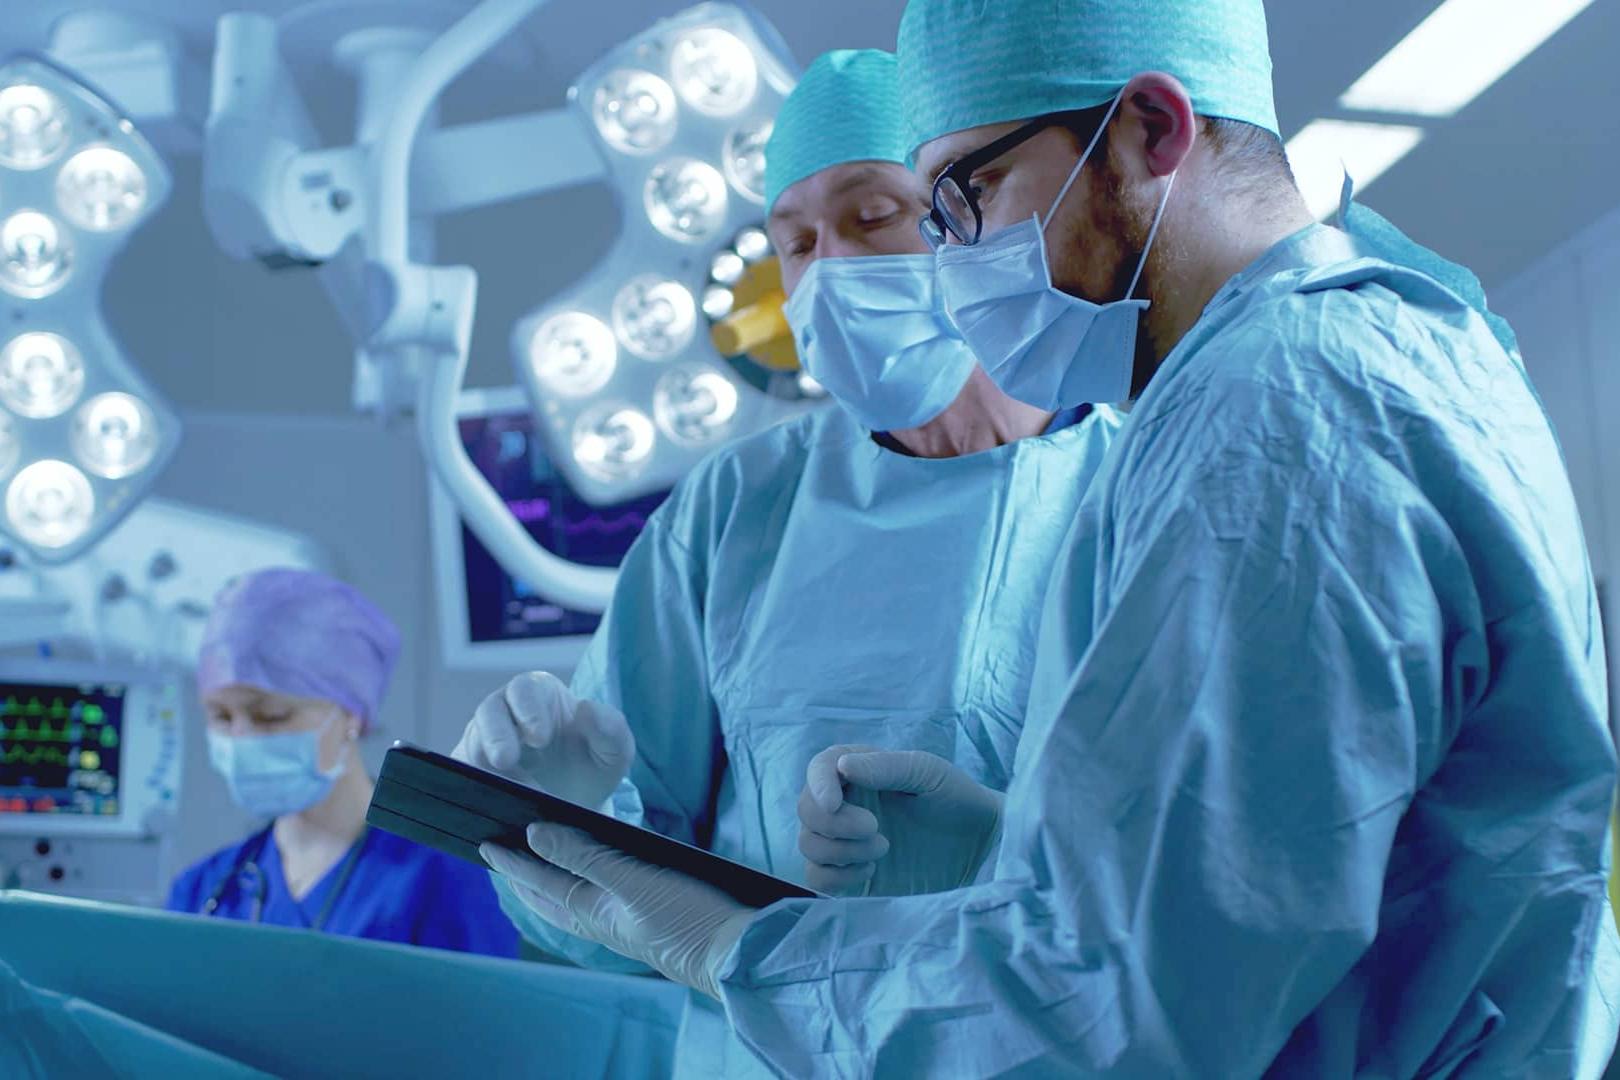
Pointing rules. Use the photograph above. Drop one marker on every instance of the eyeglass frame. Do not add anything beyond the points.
(934, 226)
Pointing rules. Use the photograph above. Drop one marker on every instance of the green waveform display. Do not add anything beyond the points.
(60, 747)
(37, 755)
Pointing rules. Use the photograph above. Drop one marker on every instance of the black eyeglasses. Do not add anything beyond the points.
(955, 211)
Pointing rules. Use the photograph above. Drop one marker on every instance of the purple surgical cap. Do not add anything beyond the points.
(299, 633)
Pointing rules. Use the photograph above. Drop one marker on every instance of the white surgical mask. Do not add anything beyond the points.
(868, 330)
(272, 775)
(1039, 344)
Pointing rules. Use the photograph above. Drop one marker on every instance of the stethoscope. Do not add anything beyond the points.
(247, 866)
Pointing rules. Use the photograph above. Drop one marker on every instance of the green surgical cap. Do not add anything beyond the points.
(846, 108)
(967, 63)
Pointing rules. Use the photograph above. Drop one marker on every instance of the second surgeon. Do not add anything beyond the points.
(865, 575)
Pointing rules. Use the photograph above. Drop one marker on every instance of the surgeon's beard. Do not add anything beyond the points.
(1098, 245)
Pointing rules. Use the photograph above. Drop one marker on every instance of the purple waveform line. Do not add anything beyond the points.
(529, 509)
(597, 526)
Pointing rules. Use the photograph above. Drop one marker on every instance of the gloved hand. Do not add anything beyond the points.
(893, 822)
(680, 926)
(538, 733)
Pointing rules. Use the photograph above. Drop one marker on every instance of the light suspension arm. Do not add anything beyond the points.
(430, 308)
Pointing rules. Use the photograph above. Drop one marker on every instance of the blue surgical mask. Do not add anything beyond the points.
(272, 775)
(1039, 344)
(869, 331)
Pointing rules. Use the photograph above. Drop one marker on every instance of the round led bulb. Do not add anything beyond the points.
(613, 442)
(101, 189)
(727, 268)
(49, 504)
(745, 160)
(695, 404)
(686, 199)
(635, 111)
(35, 255)
(41, 375)
(753, 245)
(33, 126)
(718, 301)
(654, 317)
(115, 435)
(714, 72)
(573, 354)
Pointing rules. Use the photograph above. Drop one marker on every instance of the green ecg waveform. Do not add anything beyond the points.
(35, 755)
(57, 708)
(67, 733)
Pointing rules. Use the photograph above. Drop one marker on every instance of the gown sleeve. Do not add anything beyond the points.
(1229, 720)
(648, 660)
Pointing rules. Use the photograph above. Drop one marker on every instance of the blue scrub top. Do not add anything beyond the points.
(397, 891)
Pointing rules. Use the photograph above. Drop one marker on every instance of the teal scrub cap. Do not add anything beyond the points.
(967, 63)
(846, 108)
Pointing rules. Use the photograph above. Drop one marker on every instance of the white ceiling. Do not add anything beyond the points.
(1529, 164)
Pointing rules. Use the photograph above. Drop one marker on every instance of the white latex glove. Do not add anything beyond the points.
(682, 927)
(536, 732)
(893, 822)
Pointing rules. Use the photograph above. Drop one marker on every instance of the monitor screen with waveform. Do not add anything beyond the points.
(60, 748)
(500, 608)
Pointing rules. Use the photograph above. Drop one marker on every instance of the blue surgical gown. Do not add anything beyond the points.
(1316, 769)
(398, 891)
(805, 587)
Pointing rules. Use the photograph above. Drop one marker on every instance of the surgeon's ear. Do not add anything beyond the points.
(1157, 124)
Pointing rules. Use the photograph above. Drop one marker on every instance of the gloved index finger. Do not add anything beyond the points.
(491, 740)
(822, 782)
(848, 822)
(537, 706)
(821, 777)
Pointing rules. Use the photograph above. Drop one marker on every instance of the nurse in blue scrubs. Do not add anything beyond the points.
(293, 668)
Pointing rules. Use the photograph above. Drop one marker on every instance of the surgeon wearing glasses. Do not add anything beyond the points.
(1316, 768)
(869, 574)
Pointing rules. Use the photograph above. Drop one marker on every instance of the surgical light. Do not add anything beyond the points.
(654, 317)
(50, 504)
(718, 302)
(115, 435)
(714, 72)
(635, 111)
(745, 159)
(41, 375)
(679, 115)
(33, 126)
(752, 245)
(695, 405)
(1457, 53)
(101, 188)
(573, 354)
(35, 256)
(84, 435)
(686, 199)
(727, 268)
(613, 441)
(1325, 150)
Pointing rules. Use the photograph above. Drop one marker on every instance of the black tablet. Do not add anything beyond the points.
(453, 807)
